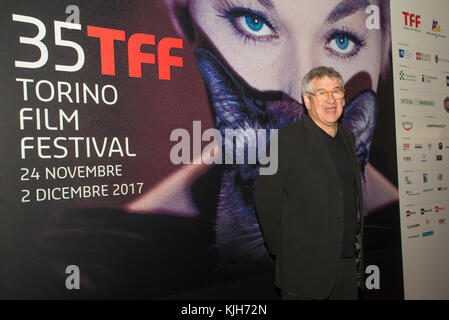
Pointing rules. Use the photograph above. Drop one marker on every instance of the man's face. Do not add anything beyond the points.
(324, 113)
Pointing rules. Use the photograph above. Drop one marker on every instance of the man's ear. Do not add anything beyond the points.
(306, 100)
(180, 17)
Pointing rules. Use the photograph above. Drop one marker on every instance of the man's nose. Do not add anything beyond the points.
(330, 97)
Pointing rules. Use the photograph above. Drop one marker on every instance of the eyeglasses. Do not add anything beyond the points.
(322, 95)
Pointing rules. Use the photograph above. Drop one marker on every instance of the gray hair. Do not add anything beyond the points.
(318, 73)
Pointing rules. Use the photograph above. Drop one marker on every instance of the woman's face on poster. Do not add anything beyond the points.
(272, 44)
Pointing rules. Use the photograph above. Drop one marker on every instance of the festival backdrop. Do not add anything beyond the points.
(421, 81)
(110, 169)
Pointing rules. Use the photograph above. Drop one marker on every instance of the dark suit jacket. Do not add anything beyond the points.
(300, 211)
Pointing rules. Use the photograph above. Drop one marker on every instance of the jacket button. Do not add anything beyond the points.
(340, 193)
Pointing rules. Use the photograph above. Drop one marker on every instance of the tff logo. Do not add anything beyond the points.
(411, 18)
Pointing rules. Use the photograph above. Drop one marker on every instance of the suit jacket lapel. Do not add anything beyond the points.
(357, 173)
(352, 152)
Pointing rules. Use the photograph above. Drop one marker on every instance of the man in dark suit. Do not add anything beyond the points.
(311, 210)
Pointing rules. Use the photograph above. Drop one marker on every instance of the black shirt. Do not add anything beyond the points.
(343, 164)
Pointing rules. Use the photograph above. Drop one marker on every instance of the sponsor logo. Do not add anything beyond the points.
(429, 145)
(414, 236)
(440, 177)
(407, 180)
(446, 104)
(407, 159)
(418, 102)
(411, 19)
(407, 125)
(406, 101)
(427, 234)
(413, 226)
(406, 76)
(439, 157)
(404, 53)
(427, 221)
(405, 146)
(436, 125)
(430, 103)
(422, 56)
(440, 59)
(435, 30)
(428, 190)
(438, 209)
(423, 158)
(447, 81)
(411, 193)
(442, 220)
(410, 212)
(424, 210)
(440, 145)
(442, 189)
(427, 79)
(424, 178)
(418, 146)
(435, 26)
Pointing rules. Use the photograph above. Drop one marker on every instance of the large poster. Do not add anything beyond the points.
(112, 118)
(421, 63)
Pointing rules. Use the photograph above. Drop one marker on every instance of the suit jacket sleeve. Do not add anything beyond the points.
(353, 147)
(268, 196)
